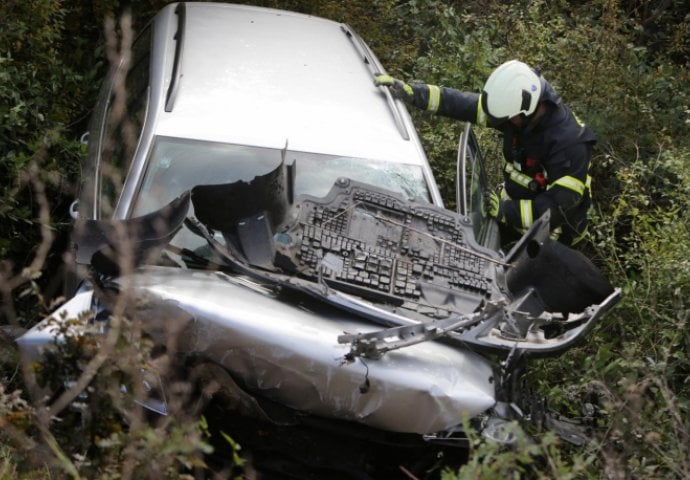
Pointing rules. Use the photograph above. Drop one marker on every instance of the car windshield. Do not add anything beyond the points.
(177, 165)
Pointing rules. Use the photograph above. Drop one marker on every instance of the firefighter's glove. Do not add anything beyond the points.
(492, 206)
(398, 88)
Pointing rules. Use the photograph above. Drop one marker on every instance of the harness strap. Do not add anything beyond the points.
(517, 176)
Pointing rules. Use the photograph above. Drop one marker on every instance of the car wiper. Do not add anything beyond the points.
(374, 344)
(192, 259)
(226, 252)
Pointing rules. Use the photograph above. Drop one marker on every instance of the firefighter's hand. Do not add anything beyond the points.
(398, 88)
(492, 205)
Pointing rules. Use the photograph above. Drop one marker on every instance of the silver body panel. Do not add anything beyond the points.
(290, 354)
(267, 78)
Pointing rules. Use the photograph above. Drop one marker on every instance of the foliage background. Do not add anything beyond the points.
(621, 65)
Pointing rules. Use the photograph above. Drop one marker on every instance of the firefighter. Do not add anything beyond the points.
(547, 149)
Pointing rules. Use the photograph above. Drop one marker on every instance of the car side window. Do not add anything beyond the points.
(124, 119)
(476, 186)
(472, 187)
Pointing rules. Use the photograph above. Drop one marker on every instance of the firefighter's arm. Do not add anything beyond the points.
(444, 101)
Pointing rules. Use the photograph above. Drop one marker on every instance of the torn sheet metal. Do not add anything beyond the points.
(135, 235)
(221, 207)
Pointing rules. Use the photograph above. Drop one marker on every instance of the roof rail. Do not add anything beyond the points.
(375, 68)
(181, 13)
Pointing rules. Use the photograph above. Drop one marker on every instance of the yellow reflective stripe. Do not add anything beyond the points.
(526, 216)
(571, 183)
(434, 98)
(577, 119)
(481, 116)
(555, 233)
(517, 176)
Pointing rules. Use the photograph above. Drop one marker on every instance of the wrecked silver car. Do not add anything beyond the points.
(278, 210)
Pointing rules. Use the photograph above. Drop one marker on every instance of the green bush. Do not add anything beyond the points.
(635, 364)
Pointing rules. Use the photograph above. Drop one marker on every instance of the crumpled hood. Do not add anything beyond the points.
(289, 352)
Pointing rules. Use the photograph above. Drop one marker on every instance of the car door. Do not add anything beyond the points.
(471, 186)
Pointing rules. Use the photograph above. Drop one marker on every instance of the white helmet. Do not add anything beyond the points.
(512, 89)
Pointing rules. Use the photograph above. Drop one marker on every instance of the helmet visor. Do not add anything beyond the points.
(491, 120)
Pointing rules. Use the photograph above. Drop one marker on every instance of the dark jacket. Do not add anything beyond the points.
(546, 161)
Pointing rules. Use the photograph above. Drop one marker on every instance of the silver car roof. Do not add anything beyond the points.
(244, 74)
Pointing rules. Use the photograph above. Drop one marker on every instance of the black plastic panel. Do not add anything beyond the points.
(373, 243)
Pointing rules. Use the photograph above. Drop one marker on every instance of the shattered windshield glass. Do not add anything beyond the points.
(317, 173)
(177, 165)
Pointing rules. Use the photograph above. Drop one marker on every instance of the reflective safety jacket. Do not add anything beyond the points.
(547, 161)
